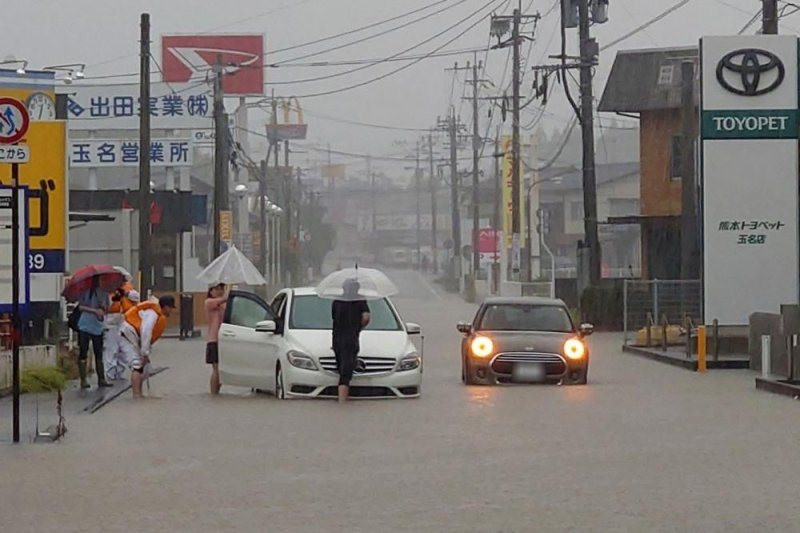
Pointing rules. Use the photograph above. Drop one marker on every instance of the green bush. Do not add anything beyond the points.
(42, 379)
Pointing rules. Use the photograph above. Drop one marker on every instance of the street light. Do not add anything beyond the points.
(21, 70)
(554, 179)
(73, 70)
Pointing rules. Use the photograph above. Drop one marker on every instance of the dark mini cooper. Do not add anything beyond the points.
(524, 340)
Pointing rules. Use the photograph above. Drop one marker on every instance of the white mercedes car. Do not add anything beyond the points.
(285, 348)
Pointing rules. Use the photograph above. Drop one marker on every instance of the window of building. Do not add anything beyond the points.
(676, 157)
(575, 211)
(665, 74)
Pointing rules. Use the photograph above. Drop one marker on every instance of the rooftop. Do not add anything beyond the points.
(647, 80)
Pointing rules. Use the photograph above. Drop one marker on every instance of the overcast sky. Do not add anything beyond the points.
(104, 35)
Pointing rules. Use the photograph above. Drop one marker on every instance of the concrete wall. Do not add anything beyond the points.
(30, 356)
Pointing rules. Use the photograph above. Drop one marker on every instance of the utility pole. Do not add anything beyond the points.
(417, 191)
(499, 28)
(476, 146)
(262, 216)
(371, 178)
(454, 205)
(433, 188)
(497, 220)
(770, 17)
(515, 165)
(145, 266)
(220, 155)
(588, 53)
(689, 267)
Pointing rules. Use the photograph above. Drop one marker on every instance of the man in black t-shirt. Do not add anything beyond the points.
(350, 316)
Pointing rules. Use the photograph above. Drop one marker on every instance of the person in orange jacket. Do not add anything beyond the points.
(123, 300)
(143, 326)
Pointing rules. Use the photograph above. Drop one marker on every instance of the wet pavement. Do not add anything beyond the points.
(643, 447)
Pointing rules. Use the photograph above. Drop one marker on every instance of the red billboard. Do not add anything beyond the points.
(191, 58)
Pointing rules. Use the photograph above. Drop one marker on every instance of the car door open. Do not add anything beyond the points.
(248, 342)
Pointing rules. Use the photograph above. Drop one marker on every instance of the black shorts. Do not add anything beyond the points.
(212, 353)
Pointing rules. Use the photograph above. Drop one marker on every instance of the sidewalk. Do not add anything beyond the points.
(76, 402)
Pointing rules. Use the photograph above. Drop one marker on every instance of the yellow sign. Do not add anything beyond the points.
(508, 180)
(46, 178)
(226, 226)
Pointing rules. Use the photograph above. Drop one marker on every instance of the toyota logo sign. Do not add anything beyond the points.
(743, 72)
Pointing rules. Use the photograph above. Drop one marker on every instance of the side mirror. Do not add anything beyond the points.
(413, 329)
(464, 327)
(266, 326)
(586, 329)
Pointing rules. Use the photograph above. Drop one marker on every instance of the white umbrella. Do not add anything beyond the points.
(231, 268)
(124, 272)
(351, 284)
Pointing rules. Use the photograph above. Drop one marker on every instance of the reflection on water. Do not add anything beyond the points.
(482, 395)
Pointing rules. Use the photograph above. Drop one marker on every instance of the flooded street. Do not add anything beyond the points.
(642, 447)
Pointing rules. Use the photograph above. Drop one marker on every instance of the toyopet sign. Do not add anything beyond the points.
(116, 107)
(749, 131)
(191, 58)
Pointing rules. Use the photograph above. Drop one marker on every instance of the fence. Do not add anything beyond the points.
(650, 302)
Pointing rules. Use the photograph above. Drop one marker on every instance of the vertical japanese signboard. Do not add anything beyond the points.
(508, 180)
(749, 131)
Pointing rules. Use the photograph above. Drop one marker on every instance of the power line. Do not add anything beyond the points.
(369, 65)
(395, 71)
(379, 34)
(646, 25)
(359, 29)
(346, 62)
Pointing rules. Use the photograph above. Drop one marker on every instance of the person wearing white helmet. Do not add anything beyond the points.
(123, 299)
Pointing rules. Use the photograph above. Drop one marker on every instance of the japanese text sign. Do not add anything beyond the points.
(172, 106)
(92, 153)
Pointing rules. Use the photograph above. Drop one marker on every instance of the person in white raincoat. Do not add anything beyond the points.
(122, 300)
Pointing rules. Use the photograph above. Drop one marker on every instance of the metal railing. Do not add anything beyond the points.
(648, 303)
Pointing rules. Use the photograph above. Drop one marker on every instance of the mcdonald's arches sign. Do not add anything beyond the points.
(288, 130)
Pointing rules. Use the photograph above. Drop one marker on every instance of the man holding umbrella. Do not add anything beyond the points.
(350, 315)
(350, 288)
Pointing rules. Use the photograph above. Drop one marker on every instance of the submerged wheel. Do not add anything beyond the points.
(280, 391)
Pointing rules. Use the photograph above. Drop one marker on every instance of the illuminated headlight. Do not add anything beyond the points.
(409, 362)
(574, 349)
(482, 346)
(301, 360)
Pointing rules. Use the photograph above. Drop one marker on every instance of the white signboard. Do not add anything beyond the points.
(172, 106)
(750, 175)
(94, 153)
(15, 153)
(400, 222)
(6, 250)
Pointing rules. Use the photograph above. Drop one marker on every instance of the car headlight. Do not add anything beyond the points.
(482, 346)
(301, 360)
(409, 362)
(574, 349)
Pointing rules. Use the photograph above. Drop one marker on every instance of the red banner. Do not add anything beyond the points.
(191, 58)
(487, 241)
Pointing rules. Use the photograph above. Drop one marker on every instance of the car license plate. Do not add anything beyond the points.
(528, 373)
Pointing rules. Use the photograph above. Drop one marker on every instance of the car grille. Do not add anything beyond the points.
(364, 364)
(360, 392)
(554, 364)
